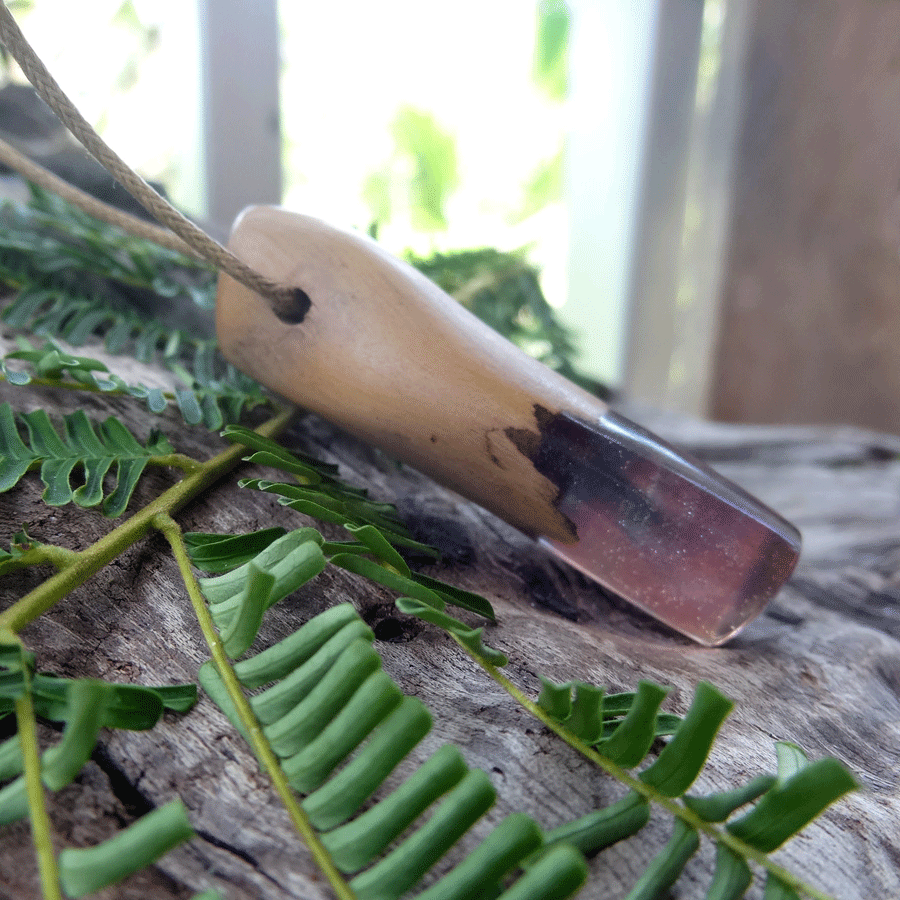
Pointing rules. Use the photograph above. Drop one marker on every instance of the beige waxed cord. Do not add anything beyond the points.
(45, 179)
(284, 299)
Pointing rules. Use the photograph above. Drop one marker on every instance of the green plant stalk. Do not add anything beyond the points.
(60, 557)
(86, 563)
(75, 386)
(177, 461)
(260, 745)
(645, 790)
(40, 821)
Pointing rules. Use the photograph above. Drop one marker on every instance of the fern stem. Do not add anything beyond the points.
(74, 386)
(88, 562)
(720, 836)
(41, 554)
(40, 822)
(177, 461)
(258, 741)
(57, 556)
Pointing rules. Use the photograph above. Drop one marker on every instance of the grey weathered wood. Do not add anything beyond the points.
(821, 667)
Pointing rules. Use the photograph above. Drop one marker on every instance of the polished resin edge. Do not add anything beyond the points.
(663, 530)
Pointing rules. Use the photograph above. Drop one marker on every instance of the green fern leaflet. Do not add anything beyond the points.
(80, 445)
(327, 695)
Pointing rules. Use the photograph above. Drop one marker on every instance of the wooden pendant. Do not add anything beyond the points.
(376, 348)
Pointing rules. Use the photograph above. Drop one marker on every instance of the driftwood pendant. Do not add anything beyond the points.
(379, 350)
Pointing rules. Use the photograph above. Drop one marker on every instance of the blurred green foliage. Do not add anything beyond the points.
(424, 166)
(545, 186)
(551, 48)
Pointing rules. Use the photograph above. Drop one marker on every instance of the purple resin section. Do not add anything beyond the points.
(662, 530)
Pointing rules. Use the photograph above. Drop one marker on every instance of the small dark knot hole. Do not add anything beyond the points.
(293, 308)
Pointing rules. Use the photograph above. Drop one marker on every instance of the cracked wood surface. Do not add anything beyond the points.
(821, 667)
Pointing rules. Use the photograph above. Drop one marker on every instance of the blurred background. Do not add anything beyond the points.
(706, 192)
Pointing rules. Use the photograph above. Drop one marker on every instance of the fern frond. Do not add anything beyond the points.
(340, 623)
(216, 393)
(621, 736)
(210, 403)
(379, 533)
(604, 827)
(74, 275)
(329, 699)
(93, 449)
(666, 867)
(50, 236)
(85, 706)
(262, 568)
(53, 366)
(783, 804)
(778, 890)
(224, 553)
(791, 803)
(52, 363)
(470, 638)
(396, 575)
(317, 492)
(47, 309)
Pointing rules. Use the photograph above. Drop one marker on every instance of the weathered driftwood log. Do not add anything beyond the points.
(821, 667)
